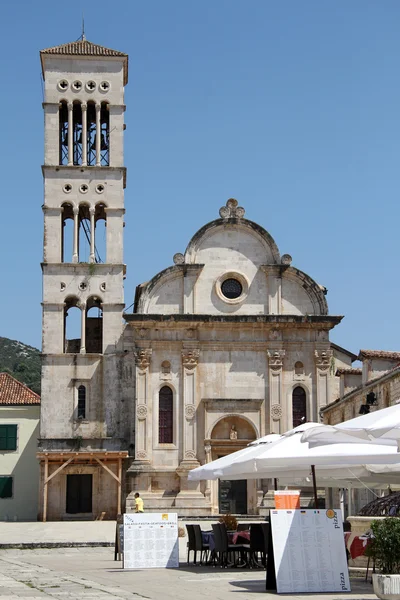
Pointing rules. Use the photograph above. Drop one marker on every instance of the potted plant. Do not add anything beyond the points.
(230, 522)
(385, 550)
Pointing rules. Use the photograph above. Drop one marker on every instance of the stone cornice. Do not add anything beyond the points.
(95, 169)
(92, 269)
(177, 321)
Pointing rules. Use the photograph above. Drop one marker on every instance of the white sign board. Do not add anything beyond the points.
(309, 551)
(150, 540)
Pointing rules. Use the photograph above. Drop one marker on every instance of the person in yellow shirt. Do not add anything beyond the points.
(139, 506)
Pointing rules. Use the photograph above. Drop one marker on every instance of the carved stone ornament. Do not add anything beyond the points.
(190, 455)
(179, 259)
(275, 359)
(276, 412)
(190, 358)
(76, 471)
(231, 210)
(286, 259)
(323, 359)
(207, 449)
(141, 411)
(143, 358)
(142, 455)
(274, 334)
(190, 411)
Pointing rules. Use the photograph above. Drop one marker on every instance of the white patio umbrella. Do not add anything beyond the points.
(379, 427)
(208, 470)
(290, 456)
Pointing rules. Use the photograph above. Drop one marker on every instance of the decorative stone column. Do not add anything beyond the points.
(83, 327)
(70, 134)
(142, 417)
(84, 133)
(275, 364)
(207, 491)
(98, 136)
(92, 258)
(322, 359)
(189, 495)
(75, 251)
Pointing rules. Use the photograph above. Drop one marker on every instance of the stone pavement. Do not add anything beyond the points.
(56, 532)
(91, 573)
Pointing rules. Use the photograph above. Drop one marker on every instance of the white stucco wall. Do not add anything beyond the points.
(21, 464)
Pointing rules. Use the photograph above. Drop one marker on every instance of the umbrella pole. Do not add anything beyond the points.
(275, 484)
(314, 486)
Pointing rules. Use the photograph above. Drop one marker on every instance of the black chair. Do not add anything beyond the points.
(219, 548)
(200, 545)
(266, 531)
(233, 549)
(191, 545)
(258, 544)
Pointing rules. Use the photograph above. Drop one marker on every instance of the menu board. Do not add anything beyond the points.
(150, 541)
(287, 499)
(309, 551)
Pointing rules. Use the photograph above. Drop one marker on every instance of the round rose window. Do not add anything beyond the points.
(231, 288)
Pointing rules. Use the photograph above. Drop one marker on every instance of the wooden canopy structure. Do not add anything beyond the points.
(65, 458)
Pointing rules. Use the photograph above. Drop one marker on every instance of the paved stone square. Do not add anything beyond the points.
(86, 573)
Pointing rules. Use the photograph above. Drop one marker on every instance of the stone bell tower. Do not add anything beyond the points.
(83, 434)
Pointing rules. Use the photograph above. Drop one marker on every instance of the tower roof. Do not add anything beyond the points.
(86, 48)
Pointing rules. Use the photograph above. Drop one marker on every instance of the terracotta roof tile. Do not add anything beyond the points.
(14, 392)
(379, 354)
(82, 48)
(86, 48)
(349, 371)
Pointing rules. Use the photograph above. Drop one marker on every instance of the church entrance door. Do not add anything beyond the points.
(233, 497)
(79, 494)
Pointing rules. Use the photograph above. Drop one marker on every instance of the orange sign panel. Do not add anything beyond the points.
(287, 499)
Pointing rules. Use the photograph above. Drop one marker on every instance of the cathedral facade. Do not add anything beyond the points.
(228, 344)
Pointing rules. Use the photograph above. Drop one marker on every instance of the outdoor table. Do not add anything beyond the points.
(236, 537)
(208, 538)
(244, 534)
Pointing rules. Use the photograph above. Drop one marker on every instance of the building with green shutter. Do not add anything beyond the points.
(19, 432)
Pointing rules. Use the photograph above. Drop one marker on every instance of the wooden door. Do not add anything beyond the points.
(79, 494)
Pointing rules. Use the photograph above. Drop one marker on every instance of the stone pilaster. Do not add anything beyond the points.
(190, 359)
(142, 417)
(189, 490)
(275, 367)
(322, 359)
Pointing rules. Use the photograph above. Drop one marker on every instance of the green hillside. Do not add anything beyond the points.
(21, 361)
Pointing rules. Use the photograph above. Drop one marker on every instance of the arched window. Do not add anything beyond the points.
(63, 132)
(72, 325)
(100, 244)
(77, 133)
(91, 134)
(94, 325)
(299, 406)
(81, 402)
(67, 232)
(165, 413)
(105, 132)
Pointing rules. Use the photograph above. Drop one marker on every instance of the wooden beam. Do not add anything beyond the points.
(119, 487)
(108, 470)
(59, 469)
(46, 473)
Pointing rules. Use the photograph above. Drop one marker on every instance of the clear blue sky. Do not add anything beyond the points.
(291, 107)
